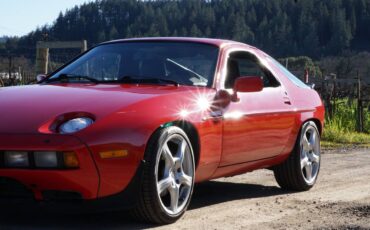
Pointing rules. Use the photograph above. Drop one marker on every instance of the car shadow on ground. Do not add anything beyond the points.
(205, 194)
(215, 192)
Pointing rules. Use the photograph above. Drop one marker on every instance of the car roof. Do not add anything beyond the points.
(210, 41)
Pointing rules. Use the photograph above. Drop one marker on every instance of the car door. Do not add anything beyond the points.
(259, 124)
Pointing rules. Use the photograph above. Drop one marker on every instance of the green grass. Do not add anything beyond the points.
(341, 129)
(336, 145)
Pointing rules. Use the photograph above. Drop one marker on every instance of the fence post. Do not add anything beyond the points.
(360, 118)
(42, 57)
(334, 98)
(328, 99)
(84, 46)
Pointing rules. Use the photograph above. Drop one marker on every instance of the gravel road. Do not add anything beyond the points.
(340, 200)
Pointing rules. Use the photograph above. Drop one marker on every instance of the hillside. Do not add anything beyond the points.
(313, 28)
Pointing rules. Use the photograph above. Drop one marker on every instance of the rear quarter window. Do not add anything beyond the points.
(295, 80)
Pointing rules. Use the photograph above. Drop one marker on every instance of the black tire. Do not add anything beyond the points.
(149, 207)
(290, 175)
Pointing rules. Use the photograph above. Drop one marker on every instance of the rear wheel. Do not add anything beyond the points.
(300, 171)
(168, 177)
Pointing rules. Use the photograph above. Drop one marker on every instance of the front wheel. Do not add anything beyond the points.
(168, 177)
(300, 171)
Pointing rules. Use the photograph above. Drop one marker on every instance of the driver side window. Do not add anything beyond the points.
(243, 64)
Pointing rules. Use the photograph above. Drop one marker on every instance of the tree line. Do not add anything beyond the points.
(313, 28)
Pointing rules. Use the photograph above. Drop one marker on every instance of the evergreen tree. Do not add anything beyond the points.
(113, 33)
(281, 27)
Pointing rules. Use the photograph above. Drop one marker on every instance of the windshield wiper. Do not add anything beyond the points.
(201, 78)
(130, 79)
(64, 77)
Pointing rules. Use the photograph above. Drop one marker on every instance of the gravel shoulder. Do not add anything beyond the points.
(340, 200)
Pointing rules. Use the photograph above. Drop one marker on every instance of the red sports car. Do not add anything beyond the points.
(135, 123)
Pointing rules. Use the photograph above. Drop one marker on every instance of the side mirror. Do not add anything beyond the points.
(40, 77)
(247, 84)
(222, 99)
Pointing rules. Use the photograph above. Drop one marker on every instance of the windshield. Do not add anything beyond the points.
(182, 63)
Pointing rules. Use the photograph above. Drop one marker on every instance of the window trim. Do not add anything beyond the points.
(263, 63)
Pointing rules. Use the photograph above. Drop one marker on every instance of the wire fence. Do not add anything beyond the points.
(355, 91)
(22, 72)
(17, 78)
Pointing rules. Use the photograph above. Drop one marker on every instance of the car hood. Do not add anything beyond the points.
(25, 109)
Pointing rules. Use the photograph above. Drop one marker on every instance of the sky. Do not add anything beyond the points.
(19, 17)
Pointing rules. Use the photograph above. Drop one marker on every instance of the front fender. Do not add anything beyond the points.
(131, 128)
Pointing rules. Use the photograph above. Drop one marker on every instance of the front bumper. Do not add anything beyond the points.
(81, 183)
(23, 200)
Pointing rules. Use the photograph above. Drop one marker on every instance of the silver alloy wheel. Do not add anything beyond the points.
(174, 174)
(310, 154)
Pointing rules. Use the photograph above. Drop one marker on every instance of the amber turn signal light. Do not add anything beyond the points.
(113, 154)
(71, 160)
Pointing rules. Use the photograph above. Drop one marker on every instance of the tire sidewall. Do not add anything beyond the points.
(154, 155)
(298, 150)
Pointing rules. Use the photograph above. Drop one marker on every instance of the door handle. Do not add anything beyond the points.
(287, 101)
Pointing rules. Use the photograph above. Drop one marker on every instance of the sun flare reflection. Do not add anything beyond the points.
(199, 102)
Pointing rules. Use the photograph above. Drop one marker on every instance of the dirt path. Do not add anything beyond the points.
(340, 200)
